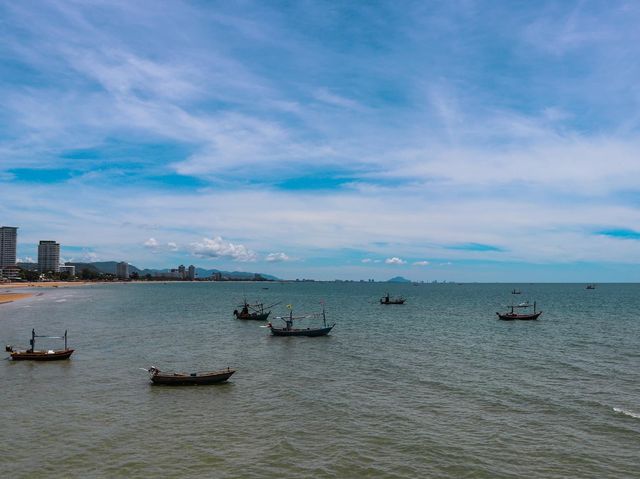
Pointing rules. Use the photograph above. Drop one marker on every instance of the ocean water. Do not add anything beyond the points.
(437, 387)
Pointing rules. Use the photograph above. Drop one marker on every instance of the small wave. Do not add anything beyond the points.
(60, 300)
(627, 413)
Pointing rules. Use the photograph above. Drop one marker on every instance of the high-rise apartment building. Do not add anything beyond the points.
(48, 257)
(8, 243)
(191, 274)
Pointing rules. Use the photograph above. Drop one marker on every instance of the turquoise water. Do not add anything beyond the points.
(437, 387)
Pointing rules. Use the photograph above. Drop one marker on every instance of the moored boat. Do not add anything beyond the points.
(253, 311)
(513, 315)
(289, 330)
(389, 300)
(184, 379)
(32, 354)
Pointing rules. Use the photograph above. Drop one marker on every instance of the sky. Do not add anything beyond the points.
(454, 140)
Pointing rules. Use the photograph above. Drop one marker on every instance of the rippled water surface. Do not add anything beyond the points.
(437, 387)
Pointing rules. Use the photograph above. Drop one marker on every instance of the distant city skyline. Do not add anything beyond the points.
(461, 141)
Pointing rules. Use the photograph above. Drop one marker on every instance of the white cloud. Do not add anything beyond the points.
(395, 260)
(151, 243)
(172, 246)
(277, 257)
(421, 263)
(219, 248)
(26, 259)
(89, 257)
(366, 260)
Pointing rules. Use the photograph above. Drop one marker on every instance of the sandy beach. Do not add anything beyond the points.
(7, 296)
(44, 284)
(10, 297)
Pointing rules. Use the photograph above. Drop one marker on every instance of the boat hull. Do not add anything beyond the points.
(521, 317)
(254, 317)
(179, 379)
(301, 332)
(41, 355)
(392, 302)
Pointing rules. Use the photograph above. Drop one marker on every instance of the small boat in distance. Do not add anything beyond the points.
(253, 311)
(516, 291)
(591, 286)
(32, 354)
(389, 300)
(289, 330)
(183, 379)
(512, 315)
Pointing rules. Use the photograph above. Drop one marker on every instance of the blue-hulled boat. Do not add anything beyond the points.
(289, 330)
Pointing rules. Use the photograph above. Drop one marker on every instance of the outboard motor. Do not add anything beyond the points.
(8, 348)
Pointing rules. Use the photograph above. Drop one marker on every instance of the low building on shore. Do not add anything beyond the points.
(70, 269)
(122, 270)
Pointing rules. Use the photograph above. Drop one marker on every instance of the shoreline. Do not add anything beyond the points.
(44, 284)
(6, 298)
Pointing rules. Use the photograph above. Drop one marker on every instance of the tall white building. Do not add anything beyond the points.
(8, 242)
(48, 257)
(122, 270)
(191, 274)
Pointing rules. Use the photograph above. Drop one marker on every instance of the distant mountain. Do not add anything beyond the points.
(398, 279)
(205, 273)
(109, 267)
(28, 266)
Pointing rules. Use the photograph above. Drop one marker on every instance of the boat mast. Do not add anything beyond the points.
(290, 321)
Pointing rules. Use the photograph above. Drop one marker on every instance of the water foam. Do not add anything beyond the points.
(627, 413)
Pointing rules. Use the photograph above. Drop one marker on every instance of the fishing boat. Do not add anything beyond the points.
(516, 291)
(33, 354)
(289, 330)
(513, 315)
(184, 379)
(253, 311)
(389, 300)
(591, 286)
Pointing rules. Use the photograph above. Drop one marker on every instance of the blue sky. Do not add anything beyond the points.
(460, 140)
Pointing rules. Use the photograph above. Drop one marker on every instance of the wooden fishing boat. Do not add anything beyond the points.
(184, 379)
(591, 286)
(516, 291)
(389, 300)
(513, 315)
(253, 311)
(289, 330)
(33, 354)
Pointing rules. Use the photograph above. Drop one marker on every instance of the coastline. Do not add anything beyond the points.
(8, 296)
(11, 297)
(44, 284)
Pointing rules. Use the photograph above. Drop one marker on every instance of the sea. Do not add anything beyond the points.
(437, 387)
